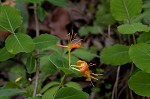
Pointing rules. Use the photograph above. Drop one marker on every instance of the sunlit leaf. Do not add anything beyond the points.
(115, 55)
(19, 42)
(140, 83)
(140, 55)
(133, 28)
(119, 8)
(10, 18)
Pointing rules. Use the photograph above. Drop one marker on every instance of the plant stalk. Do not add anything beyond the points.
(114, 92)
(129, 20)
(60, 85)
(37, 52)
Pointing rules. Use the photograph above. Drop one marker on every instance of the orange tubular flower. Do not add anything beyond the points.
(71, 45)
(83, 67)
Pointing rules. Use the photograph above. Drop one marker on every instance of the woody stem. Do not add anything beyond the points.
(37, 51)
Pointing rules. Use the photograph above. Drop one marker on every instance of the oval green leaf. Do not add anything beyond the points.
(70, 93)
(115, 55)
(11, 92)
(58, 60)
(50, 92)
(144, 38)
(45, 41)
(84, 54)
(19, 42)
(30, 64)
(49, 85)
(74, 85)
(133, 28)
(5, 55)
(10, 18)
(119, 8)
(140, 55)
(140, 83)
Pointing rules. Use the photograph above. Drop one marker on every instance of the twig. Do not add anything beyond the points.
(37, 52)
(114, 92)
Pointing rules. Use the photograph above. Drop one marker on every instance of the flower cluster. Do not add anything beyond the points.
(81, 65)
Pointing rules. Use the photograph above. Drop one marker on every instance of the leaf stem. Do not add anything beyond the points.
(60, 85)
(126, 10)
(37, 52)
(128, 17)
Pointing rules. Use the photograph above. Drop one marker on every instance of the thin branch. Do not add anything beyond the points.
(37, 52)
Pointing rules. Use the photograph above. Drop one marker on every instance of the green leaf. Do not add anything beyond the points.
(49, 93)
(49, 85)
(74, 85)
(46, 66)
(10, 18)
(86, 30)
(61, 3)
(115, 55)
(34, 98)
(4, 97)
(5, 55)
(41, 13)
(132, 28)
(84, 54)
(62, 64)
(44, 41)
(119, 9)
(30, 64)
(58, 60)
(10, 84)
(70, 93)
(144, 38)
(19, 42)
(11, 92)
(103, 15)
(34, 1)
(140, 83)
(71, 72)
(140, 55)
